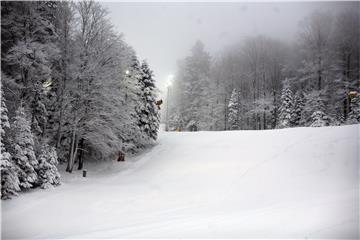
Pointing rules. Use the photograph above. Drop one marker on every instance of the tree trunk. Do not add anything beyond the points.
(58, 134)
(75, 154)
(319, 73)
(71, 155)
(264, 127)
(81, 159)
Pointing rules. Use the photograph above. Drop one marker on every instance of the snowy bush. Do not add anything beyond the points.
(47, 170)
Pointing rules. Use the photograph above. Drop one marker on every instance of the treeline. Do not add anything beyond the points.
(72, 89)
(263, 83)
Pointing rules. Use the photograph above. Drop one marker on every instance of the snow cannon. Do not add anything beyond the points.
(158, 103)
(352, 94)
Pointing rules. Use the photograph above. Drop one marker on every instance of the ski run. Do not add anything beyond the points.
(298, 183)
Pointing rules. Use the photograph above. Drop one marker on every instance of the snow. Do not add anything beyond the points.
(288, 183)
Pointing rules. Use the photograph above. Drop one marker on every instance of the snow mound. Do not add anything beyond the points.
(289, 183)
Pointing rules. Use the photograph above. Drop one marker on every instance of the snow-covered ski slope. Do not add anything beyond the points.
(291, 183)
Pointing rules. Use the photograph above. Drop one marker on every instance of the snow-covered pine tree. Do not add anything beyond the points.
(354, 115)
(297, 109)
(134, 72)
(193, 86)
(9, 179)
(132, 136)
(48, 173)
(39, 112)
(175, 122)
(24, 155)
(274, 116)
(285, 107)
(319, 119)
(314, 101)
(233, 111)
(149, 118)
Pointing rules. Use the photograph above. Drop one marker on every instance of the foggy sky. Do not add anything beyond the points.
(162, 33)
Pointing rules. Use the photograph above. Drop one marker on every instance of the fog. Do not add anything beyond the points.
(162, 33)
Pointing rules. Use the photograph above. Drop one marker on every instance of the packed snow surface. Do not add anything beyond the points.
(293, 183)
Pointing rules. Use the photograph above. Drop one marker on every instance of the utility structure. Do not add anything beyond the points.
(168, 85)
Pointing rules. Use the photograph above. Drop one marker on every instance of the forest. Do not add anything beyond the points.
(172, 120)
(71, 89)
(265, 83)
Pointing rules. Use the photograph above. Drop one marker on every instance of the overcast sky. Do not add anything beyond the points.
(162, 33)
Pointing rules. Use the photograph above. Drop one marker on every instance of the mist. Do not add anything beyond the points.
(163, 33)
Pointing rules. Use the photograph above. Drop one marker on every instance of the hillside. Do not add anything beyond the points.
(291, 183)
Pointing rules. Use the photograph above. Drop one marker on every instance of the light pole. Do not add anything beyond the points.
(168, 85)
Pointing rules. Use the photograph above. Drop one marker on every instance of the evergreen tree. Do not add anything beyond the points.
(194, 88)
(9, 179)
(24, 155)
(234, 111)
(149, 118)
(133, 137)
(354, 115)
(47, 171)
(175, 122)
(297, 109)
(274, 116)
(319, 119)
(314, 101)
(286, 107)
